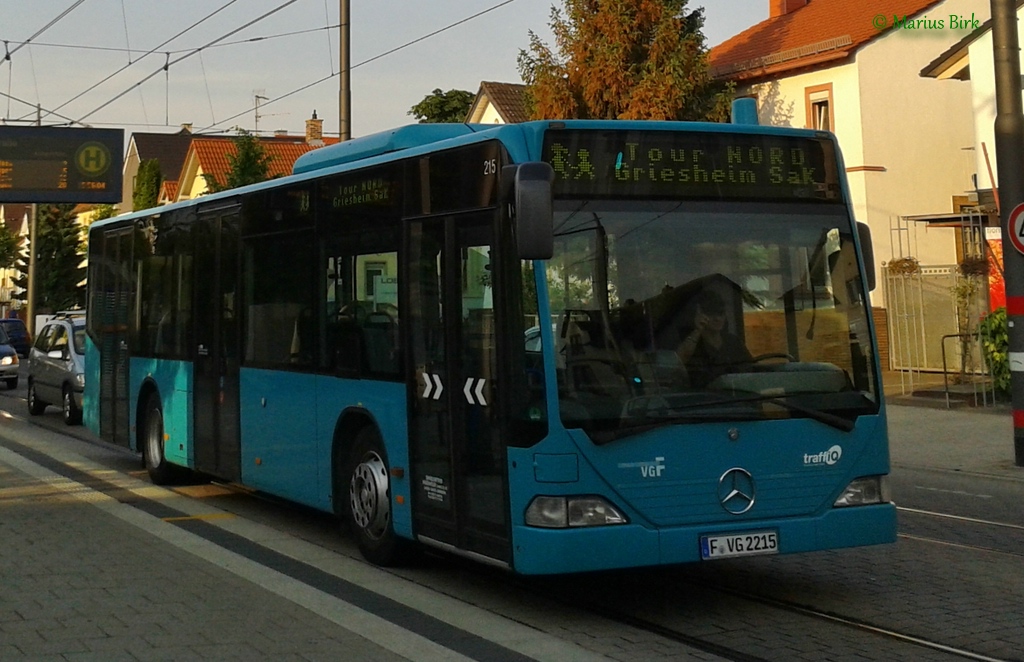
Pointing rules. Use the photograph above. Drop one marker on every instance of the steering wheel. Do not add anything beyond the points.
(773, 355)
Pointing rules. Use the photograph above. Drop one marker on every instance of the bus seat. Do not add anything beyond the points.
(380, 344)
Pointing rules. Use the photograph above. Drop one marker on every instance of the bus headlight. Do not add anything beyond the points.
(551, 512)
(865, 491)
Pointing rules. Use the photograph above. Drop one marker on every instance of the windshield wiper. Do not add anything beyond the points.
(838, 422)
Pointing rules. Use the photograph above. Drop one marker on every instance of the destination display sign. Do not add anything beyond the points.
(48, 164)
(692, 165)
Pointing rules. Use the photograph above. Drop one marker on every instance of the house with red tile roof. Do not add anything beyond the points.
(498, 103)
(208, 155)
(853, 67)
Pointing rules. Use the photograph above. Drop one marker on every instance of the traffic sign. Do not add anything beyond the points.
(1015, 226)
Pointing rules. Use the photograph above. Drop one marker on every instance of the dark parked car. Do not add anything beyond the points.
(56, 367)
(8, 361)
(18, 333)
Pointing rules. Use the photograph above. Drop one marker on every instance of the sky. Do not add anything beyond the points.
(149, 66)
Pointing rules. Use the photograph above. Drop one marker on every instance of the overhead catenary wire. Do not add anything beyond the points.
(175, 51)
(190, 54)
(43, 29)
(127, 39)
(149, 52)
(367, 61)
(220, 43)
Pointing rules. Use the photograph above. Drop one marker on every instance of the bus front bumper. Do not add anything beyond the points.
(539, 551)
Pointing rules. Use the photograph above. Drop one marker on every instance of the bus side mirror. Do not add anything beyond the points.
(535, 236)
(864, 235)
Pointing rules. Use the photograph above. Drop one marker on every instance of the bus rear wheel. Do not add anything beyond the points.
(368, 510)
(161, 472)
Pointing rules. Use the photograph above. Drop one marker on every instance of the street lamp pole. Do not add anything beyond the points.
(1009, 138)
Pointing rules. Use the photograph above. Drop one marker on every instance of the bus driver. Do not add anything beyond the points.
(708, 349)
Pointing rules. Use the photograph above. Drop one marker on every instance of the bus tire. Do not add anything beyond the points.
(161, 472)
(368, 507)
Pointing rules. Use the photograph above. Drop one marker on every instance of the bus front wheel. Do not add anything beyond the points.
(368, 510)
(161, 472)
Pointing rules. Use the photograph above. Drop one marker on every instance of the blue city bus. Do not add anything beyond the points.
(482, 339)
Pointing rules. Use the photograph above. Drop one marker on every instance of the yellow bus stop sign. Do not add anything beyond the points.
(92, 159)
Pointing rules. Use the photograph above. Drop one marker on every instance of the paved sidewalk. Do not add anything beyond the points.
(77, 583)
(131, 571)
(971, 439)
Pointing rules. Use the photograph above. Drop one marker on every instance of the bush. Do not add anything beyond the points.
(995, 345)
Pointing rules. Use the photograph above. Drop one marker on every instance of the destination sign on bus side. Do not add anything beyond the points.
(666, 164)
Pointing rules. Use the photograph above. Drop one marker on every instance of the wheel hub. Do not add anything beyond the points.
(368, 496)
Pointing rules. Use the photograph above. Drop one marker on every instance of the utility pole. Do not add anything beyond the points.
(345, 93)
(33, 231)
(1009, 134)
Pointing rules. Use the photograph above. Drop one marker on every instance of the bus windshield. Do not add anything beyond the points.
(668, 312)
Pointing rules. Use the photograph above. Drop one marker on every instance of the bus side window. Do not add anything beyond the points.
(279, 321)
(362, 311)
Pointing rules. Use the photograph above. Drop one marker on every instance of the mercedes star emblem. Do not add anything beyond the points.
(736, 491)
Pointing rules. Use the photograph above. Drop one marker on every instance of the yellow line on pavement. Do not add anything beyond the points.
(208, 516)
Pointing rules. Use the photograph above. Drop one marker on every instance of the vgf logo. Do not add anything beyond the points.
(653, 470)
(647, 469)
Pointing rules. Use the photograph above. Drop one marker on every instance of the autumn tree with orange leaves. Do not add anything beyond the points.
(623, 59)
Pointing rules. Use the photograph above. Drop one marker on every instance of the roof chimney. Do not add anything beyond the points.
(783, 7)
(315, 130)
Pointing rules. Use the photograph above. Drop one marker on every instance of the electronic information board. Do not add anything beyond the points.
(50, 164)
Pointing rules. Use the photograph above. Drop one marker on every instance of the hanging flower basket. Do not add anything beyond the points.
(904, 266)
(973, 266)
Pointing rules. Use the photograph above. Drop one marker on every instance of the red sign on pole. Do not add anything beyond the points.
(1015, 226)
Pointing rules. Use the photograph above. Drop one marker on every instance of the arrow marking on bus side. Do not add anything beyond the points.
(432, 385)
(478, 392)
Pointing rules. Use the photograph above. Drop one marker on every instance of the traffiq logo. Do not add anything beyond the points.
(831, 456)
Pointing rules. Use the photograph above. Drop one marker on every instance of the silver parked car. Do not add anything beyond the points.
(56, 367)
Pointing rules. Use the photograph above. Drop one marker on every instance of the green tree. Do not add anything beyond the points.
(147, 185)
(59, 254)
(101, 212)
(624, 59)
(438, 106)
(10, 247)
(249, 164)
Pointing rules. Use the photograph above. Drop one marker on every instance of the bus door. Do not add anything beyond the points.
(115, 311)
(457, 455)
(216, 355)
